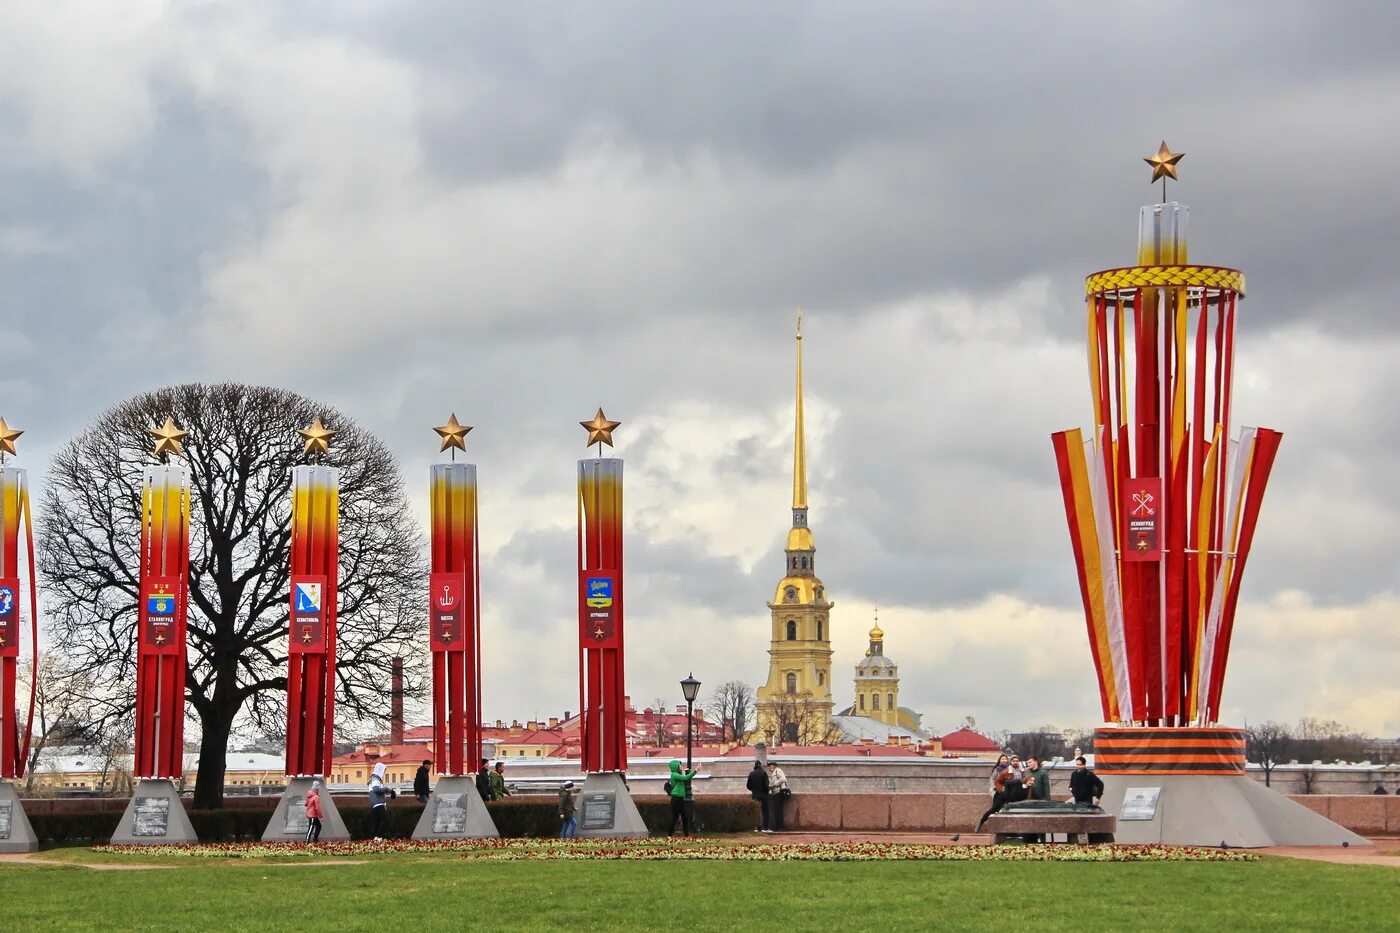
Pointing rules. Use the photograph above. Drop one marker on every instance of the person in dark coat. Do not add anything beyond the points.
(483, 781)
(757, 785)
(1085, 787)
(1006, 788)
(421, 787)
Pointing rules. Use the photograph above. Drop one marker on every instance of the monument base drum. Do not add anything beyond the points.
(16, 835)
(1187, 786)
(607, 810)
(288, 823)
(154, 817)
(455, 811)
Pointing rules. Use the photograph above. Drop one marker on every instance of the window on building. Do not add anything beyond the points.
(804, 563)
(819, 630)
(791, 683)
(875, 700)
(790, 594)
(359, 774)
(862, 701)
(792, 630)
(890, 701)
(821, 678)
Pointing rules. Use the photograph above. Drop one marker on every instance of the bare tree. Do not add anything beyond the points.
(1045, 743)
(798, 719)
(240, 452)
(731, 707)
(57, 712)
(1267, 744)
(659, 734)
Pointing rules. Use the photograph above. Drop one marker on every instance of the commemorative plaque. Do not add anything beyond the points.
(599, 810)
(449, 816)
(152, 816)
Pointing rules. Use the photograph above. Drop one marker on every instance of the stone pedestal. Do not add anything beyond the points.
(16, 835)
(154, 817)
(606, 809)
(1206, 810)
(288, 823)
(455, 811)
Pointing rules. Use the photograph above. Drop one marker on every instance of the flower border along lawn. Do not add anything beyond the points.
(436, 891)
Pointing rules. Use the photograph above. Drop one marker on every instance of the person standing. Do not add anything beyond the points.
(1036, 780)
(314, 813)
(777, 793)
(681, 806)
(567, 826)
(379, 794)
(483, 781)
(1004, 787)
(1085, 787)
(421, 787)
(757, 785)
(498, 782)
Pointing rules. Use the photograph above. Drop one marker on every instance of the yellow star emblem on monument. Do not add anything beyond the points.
(317, 437)
(453, 434)
(1164, 163)
(168, 438)
(8, 435)
(600, 429)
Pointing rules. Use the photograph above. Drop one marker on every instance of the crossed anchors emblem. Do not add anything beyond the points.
(1143, 503)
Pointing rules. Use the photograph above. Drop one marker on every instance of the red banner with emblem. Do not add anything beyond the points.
(307, 633)
(1142, 518)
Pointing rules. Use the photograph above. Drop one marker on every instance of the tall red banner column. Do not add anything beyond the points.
(454, 599)
(315, 549)
(160, 642)
(16, 555)
(600, 598)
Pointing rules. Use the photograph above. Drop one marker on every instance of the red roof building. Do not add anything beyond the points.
(964, 743)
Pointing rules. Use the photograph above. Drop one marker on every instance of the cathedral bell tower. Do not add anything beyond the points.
(795, 704)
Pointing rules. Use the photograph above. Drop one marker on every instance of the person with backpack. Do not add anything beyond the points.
(379, 796)
(682, 805)
(757, 785)
(314, 813)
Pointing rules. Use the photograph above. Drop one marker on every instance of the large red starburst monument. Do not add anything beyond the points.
(1162, 504)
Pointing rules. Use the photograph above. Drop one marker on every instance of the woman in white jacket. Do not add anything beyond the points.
(777, 793)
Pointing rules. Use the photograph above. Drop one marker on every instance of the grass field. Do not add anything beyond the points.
(444, 891)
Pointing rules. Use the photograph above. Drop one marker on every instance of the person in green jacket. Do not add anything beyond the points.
(498, 782)
(682, 804)
(1037, 779)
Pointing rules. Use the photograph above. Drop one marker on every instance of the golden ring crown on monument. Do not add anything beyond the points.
(1152, 276)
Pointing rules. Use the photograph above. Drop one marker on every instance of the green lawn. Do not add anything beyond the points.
(423, 892)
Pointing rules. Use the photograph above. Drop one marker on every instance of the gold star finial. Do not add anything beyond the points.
(8, 435)
(168, 438)
(317, 437)
(1164, 163)
(453, 434)
(600, 430)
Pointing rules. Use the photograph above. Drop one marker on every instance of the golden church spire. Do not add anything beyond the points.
(799, 443)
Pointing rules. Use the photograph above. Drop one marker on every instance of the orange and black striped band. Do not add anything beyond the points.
(1169, 751)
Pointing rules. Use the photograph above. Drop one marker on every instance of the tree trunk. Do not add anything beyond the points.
(213, 752)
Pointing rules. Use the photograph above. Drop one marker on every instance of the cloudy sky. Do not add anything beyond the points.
(521, 211)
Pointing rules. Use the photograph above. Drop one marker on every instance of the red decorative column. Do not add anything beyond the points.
(16, 558)
(455, 810)
(156, 814)
(607, 808)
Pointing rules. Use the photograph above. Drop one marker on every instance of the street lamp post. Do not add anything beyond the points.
(691, 688)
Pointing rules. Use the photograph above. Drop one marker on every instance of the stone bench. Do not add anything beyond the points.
(1092, 827)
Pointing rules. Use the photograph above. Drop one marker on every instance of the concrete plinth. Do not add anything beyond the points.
(455, 811)
(288, 823)
(16, 835)
(607, 811)
(1206, 810)
(154, 817)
